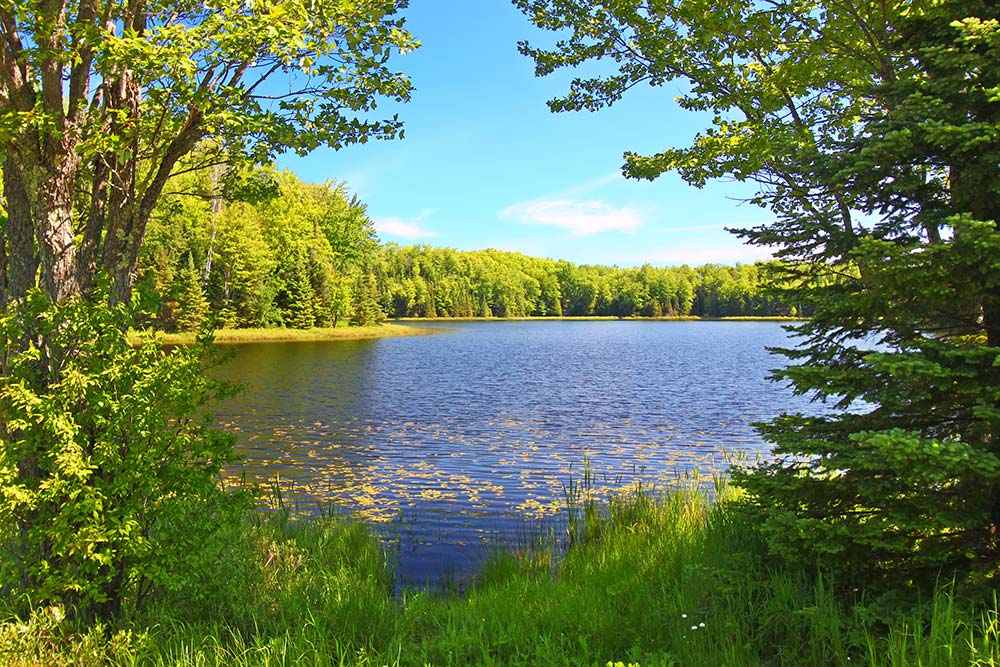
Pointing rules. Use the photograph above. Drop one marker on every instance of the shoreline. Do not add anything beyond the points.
(285, 335)
(606, 318)
(393, 330)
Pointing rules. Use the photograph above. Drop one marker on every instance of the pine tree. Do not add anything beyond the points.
(904, 481)
(193, 307)
(890, 109)
(299, 312)
(366, 309)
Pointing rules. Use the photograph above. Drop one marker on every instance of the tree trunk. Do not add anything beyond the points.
(50, 185)
(90, 245)
(127, 223)
(217, 173)
(57, 243)
(22, 259)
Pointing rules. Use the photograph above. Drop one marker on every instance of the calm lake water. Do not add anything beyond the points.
(453, 441)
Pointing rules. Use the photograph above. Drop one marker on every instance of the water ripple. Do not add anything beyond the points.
(452, 439)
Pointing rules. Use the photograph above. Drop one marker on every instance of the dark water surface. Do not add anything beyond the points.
(452, 440)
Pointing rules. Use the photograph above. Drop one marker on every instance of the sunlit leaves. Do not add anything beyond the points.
(292, 251)
(781, 82)
(106, 462)
(102, 101)
(871, 129)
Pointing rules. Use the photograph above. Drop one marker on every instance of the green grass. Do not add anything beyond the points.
(601, 318)
(238, 336)
(280, 334)
(649, 580)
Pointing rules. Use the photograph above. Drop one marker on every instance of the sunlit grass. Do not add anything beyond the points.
(278, 334)
(677, 578)
(606, 318)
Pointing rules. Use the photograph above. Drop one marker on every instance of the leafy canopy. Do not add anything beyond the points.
(100, 101)
(107, 464)
(871, 129)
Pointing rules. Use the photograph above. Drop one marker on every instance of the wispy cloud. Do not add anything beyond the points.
(581, 218)
(410, 230)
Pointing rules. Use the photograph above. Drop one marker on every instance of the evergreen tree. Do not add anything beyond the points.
(366, 310)
(299, 309)
(341, 300)
(890, 109)
(193, 307)
(908, 480)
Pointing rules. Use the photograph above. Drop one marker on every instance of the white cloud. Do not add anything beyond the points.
(581, 218)
(404, 229)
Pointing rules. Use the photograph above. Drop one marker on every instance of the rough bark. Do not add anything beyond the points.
(56, 240)
(90, 244)
(22, 259)
(127, 223)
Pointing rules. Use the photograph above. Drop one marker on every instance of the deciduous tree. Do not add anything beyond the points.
(99, 101)
(107, 473)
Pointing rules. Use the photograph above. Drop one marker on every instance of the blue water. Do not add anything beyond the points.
(450, 442)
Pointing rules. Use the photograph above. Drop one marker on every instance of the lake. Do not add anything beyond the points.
(452, 442)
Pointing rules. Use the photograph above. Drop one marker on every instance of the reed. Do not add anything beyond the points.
(673, 577)
(277, 334)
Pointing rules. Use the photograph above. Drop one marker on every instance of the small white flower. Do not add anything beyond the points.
(684, 615)
(694, 627)
(701, 625)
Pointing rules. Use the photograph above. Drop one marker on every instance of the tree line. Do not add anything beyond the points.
(130, 139)
(424, 281)
(295, 254)
(287, 253)
(872, 132)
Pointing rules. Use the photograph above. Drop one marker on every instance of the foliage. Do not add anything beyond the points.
(108, 463)
(662, 580)
(100, 106)
(871, 129)
(908, 485)
(424, 281)
(908, 481)
(298, 296)
(366, 311)
(193, 306)
(291, 258)
(301, 257)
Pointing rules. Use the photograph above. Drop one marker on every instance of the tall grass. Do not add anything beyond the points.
(281, 334)
(676, 578)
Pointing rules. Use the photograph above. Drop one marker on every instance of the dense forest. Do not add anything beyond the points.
(295, 254)
(422, 281)
(134, 143)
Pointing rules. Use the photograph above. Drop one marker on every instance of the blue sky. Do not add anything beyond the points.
(485, 164)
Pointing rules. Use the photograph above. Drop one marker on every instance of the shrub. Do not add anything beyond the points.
(109, 465)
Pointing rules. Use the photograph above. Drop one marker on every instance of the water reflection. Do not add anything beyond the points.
(455, 438)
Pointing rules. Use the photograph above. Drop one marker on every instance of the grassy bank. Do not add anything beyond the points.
(673, 580)
(238, 336)
(279, 334)
(604, 318)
